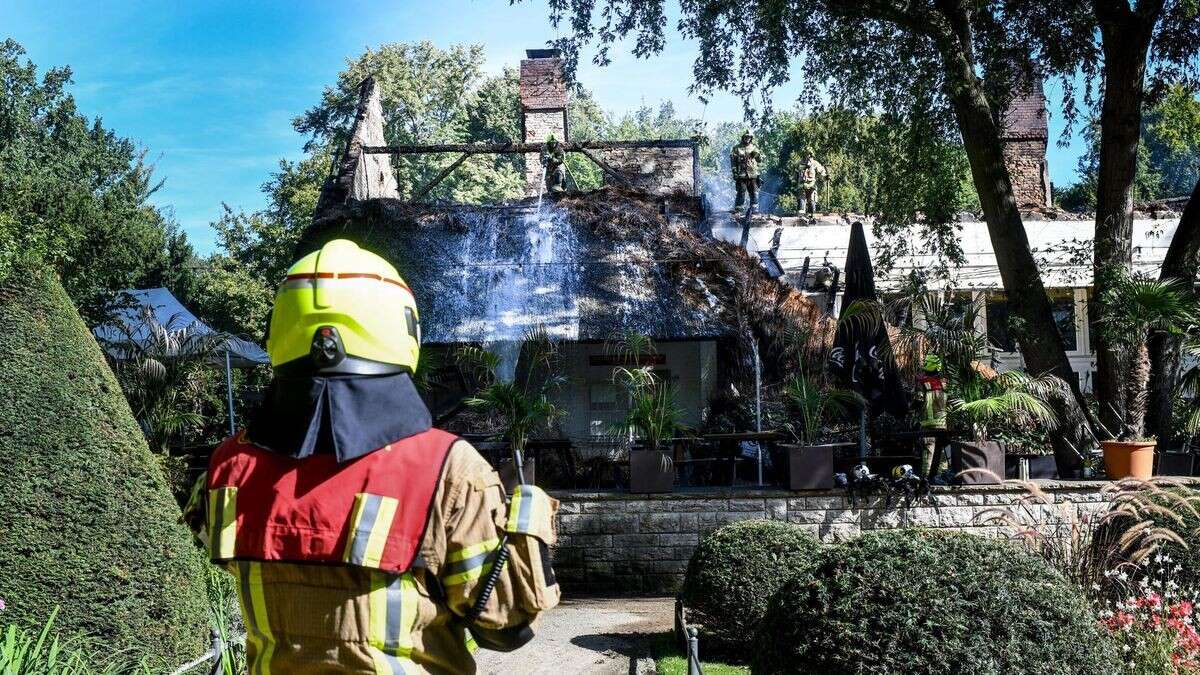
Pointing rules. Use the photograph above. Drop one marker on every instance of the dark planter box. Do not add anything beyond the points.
(988, 455)
(500, 457)
(651, 471)
(1175, 464)
(810, 467)
(1040, 466)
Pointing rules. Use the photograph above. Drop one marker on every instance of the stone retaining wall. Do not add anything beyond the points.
(624, 543)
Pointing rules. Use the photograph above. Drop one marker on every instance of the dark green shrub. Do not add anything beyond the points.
(87, 523)
(734, 572)
(919, 601)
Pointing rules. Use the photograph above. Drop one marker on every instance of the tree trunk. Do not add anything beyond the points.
(1040, 342)
(1133, 427)
(1126, 39)
(1181, 262)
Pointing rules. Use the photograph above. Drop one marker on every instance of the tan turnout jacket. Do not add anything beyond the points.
(321, 619)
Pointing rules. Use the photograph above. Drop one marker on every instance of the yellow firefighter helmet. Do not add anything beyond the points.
(343, 310)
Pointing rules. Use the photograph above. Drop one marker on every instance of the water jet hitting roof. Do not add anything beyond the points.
(585, 267)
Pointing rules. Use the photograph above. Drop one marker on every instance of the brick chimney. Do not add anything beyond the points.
(543, 106)
(1025, 134)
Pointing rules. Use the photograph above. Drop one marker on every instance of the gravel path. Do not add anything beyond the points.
(591, 636)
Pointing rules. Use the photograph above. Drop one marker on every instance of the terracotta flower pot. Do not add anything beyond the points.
(1129, 459)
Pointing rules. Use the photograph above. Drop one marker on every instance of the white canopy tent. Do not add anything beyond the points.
(128, 323)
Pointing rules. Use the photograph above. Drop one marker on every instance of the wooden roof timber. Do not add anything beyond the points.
(521, 148)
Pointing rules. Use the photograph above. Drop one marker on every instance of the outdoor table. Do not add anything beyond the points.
(729, 444)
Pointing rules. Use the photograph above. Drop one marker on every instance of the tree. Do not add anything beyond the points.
(72, 193)
(87, 522)
(945, 63)
(1111, 43)
(427, 96)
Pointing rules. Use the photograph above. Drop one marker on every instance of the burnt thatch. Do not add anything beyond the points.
(620, 261)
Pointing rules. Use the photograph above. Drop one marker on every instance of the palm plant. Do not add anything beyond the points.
(521, 413)
(814, 405)
(654, 413)
(521, 407)
(1012, 397)
(164, 371)
(1136, 307)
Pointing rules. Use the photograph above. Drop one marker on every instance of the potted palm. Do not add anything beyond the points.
(520, 407)
(981, 399)
(654, 417)
(812, 406)
(1136, 307)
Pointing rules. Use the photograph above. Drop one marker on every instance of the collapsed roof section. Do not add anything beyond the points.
(588, 267)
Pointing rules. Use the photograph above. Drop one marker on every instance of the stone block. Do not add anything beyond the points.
(605, 506)
(758, 505)
(884, 519)
(839, 532)
(659, 522)
(697, 505)
(777, 509)
(825, 503)
(589, 540)
(635, 539)
(569, 507)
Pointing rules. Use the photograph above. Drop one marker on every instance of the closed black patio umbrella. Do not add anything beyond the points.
(862, 358)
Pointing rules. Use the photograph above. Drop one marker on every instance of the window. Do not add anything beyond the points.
(997, 323)
(1062, 305)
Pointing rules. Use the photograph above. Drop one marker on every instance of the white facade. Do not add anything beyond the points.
(594, 403)
(1063, 249)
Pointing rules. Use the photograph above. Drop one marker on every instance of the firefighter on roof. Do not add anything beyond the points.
(361, 538)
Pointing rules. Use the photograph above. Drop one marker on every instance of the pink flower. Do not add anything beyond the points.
(2, 605)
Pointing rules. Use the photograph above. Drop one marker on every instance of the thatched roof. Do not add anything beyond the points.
(589, 267)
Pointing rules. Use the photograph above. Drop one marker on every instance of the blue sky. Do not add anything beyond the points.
(210, 88)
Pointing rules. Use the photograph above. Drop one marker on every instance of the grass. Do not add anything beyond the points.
(669, 660)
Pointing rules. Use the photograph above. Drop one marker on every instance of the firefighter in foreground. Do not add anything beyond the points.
(361, 539)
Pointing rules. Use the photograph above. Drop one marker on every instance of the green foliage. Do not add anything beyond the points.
(734, 572)
(520, 408)
(87, 522)
(1168, 153)
(42, 652)
(814, 405)
(929, 602)
(1132, 309)
(427, 97)
(72, 193)
(166, 376)
(654, 414)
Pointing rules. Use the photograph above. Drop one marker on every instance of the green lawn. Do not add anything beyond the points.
(669, 661)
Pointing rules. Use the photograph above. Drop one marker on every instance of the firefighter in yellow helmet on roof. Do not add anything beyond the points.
(363, 540)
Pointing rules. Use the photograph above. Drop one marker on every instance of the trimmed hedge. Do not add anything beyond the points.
(87, 522)
(919, 601)
(734, 572)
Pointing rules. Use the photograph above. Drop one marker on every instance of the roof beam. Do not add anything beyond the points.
(520, 148)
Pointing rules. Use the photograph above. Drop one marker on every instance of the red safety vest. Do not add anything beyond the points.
(369, 512)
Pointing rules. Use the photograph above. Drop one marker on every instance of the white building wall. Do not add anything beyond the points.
(594, 404)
